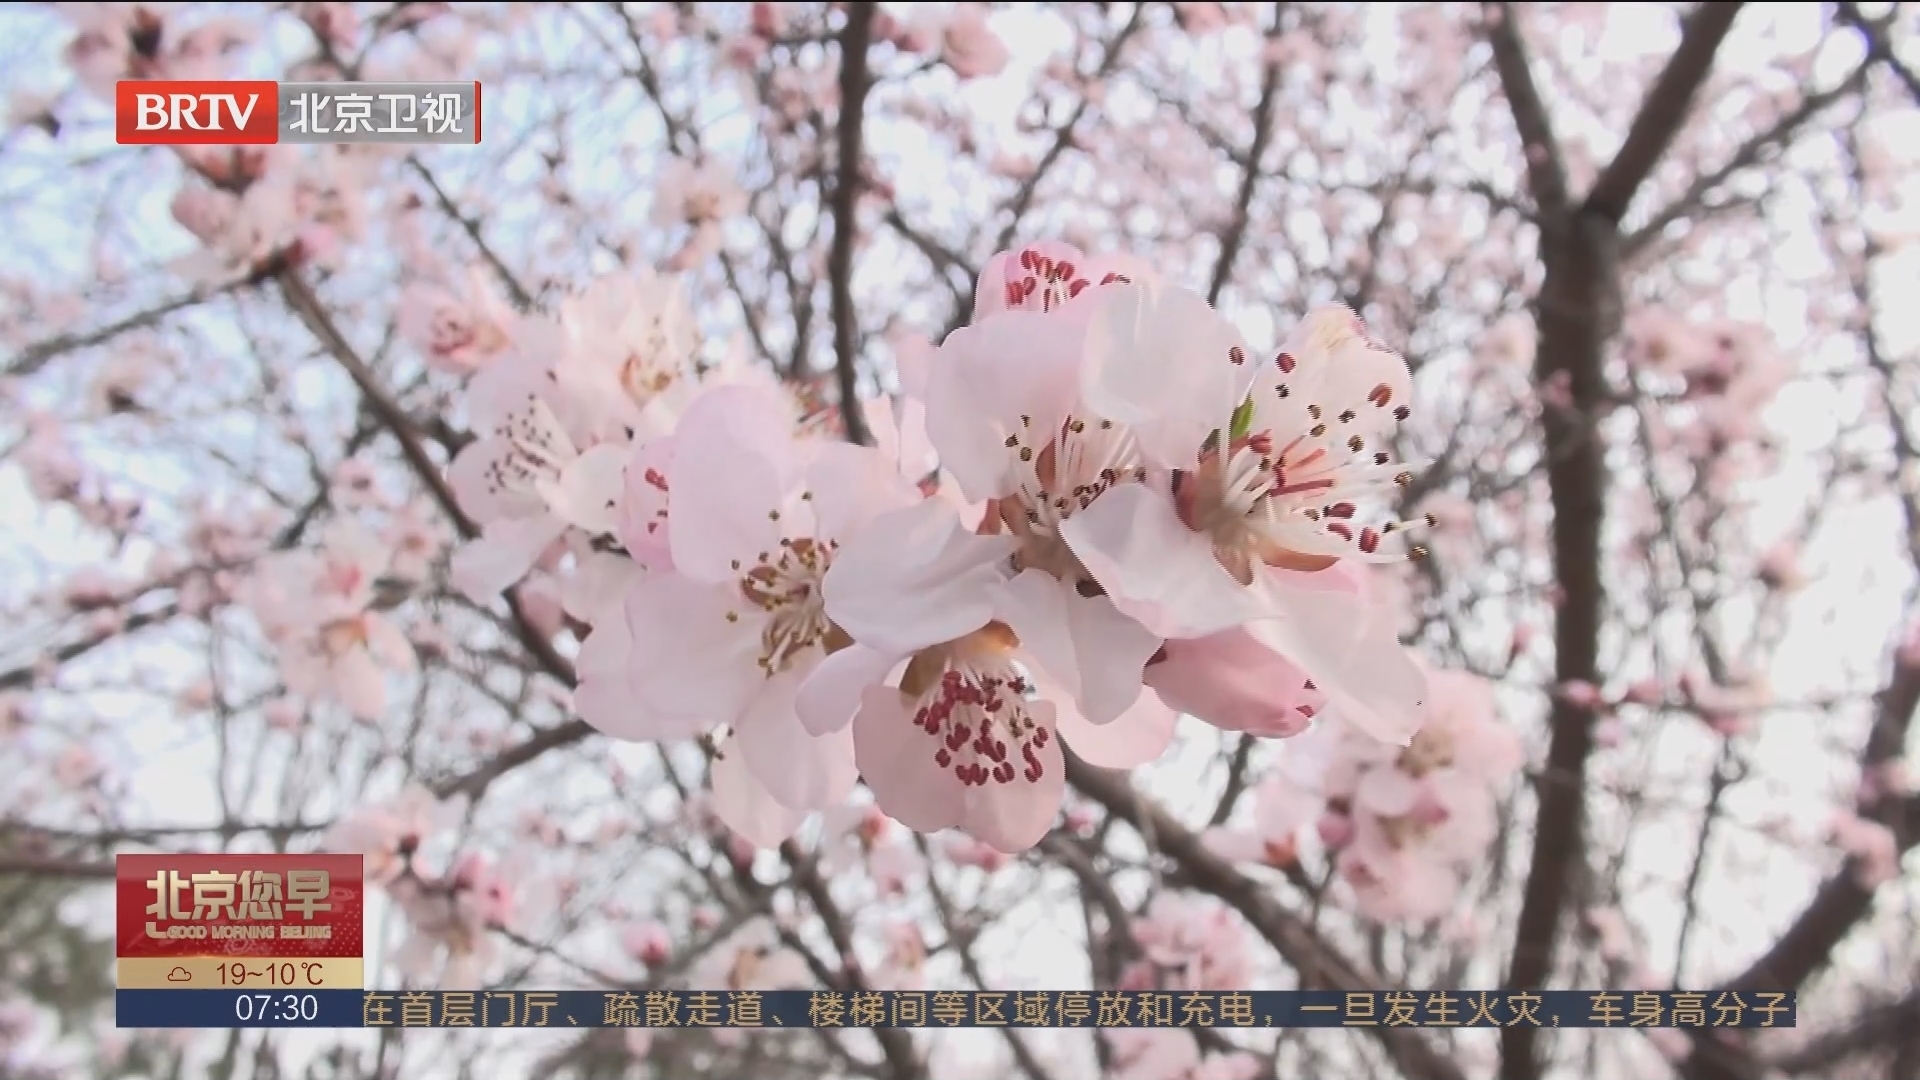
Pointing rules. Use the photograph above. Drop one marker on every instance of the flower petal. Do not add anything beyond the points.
(1235, 683)
(912, 361)
(830, 696)
(726, 480)
(689, 659)
(502, 554)
(1162, 361)
(1386, 791)
(913, 578)
(471, 478)
(387, 645)
(1013, 817)
(643, 507)
(1034, 604)
(1113, 649)
(851, 485)
(587, 495)
(1153, 567)
(744, 806)
(800, 770)
(1235, 845)
(360, 684)
(598, 584)
(1351, 654)
(1084, 644)
(1282, 808)
(1135, 738)
(1014, 373)
(607, 698)
(896, 757)
(1342, 370)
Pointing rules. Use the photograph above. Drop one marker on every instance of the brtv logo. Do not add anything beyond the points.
(196, 113)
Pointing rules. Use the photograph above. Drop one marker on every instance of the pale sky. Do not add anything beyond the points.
(1839, 623)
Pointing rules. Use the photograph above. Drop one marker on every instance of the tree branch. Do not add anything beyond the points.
(1311, 956)
(32, 358)
(854, 84)
(1664, 110)
(1546, 169)
(1747, 156)
(1235, 235)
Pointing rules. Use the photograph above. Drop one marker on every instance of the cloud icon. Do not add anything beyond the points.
(179, 974)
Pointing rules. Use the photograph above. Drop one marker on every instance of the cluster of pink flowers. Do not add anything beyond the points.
(1716, 378)
(452, 915)
(1095, 508)
(1401, 823)
(1189, 943)
(319, 609)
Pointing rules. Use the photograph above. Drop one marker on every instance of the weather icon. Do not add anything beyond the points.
(179, 974)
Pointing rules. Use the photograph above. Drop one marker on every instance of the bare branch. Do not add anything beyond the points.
(1664, 111)
(846, 206)
(1546, 169)
(1317, 961)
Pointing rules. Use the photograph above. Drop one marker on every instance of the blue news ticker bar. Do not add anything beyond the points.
(943, 1009)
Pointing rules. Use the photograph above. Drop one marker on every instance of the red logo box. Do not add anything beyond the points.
(240, 905)
(172, 112)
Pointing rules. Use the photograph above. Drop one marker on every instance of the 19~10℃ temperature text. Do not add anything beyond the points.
(262, 113)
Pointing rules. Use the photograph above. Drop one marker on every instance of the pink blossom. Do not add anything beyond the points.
(696, 193)
(903, 965)
(958, 740)
(417, 535)
(1871, 848)
(648, 942)
(963, 850)
(356, 485)
(317, 608)
(147, 41)
(451, 921)
(456, 331)
(1891, 779)
(77, 768)
(558, 415)
(1780, 568)
(751, 959)
(1228, 544)
(969, 45)
(93, 587)
(1645, 692)
(1728, 709)
(1151, 1053)
(728, 636)
(1235, 683)
(1191, 943)
(1609, 732)
(596, 594)
(743, 804)
(124, 376)
(1580, 694)
(390, 834)
(1510, 342)
(1405, 822)
(283, 714)
(1280, 810)
(1000, 411)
